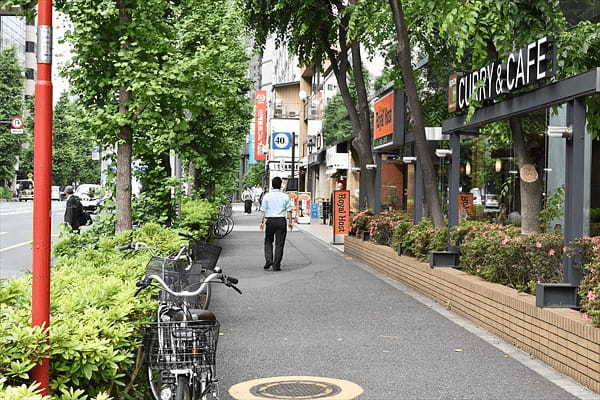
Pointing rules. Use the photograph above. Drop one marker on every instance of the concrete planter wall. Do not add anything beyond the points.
(559, 337)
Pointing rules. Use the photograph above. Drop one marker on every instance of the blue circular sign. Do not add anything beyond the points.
(282, 140)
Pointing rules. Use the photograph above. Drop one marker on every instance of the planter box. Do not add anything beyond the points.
(366, 236)
(559, 337)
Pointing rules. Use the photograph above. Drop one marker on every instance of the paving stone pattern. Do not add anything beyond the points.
(325, 316)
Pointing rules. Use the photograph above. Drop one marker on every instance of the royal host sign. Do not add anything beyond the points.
(522, 68)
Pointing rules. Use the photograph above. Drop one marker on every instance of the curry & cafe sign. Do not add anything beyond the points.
(522, 68)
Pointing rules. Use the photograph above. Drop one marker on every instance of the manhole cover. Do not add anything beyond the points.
(295, 390)
(296, 387)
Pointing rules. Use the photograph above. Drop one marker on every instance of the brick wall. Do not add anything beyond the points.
(559, 337)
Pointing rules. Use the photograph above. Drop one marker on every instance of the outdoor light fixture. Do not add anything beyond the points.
(548, 169)
(441, 153)
(468, 168)
(498, 165)
(371, 166)
(513, 172)
(561, 132)
(409, 160)
(302, 94)
(355, 169)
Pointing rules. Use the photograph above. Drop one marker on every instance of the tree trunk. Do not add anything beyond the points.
(531, 193)
(192, 178)
(124, 148)
(423, 150)
(359, 116)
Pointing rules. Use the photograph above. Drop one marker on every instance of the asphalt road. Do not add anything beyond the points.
(323, 315)
(16, 233)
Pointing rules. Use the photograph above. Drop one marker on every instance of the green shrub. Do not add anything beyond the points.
(5, 193)
(589, 288)
(382, 227)
(198, 217)
(422, 238)
(96, 327)
(502, 255)
(360, 222)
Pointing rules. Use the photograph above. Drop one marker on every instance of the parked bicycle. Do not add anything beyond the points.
(224, 224)
(180, 347)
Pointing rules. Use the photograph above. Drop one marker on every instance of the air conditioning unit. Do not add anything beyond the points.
(278, 110)
(292, 114)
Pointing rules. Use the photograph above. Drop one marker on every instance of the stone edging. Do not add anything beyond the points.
(559, 337)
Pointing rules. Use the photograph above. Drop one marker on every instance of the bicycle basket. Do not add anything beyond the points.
(178, 278)
(205, 254)
(181, 344)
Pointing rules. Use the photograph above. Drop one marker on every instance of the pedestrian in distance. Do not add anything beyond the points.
(75, 215)
(275, 206)
(247, 197)
(257, 194)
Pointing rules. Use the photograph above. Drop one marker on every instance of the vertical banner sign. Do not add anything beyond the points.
(304, 210)
(465, 204)
(341, 215)
(260, 125)
(452, 92)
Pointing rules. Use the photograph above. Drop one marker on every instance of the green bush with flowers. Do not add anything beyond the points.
(500, 254)
(381, 227)
(589, 289)
(422, 238)
(360, 222)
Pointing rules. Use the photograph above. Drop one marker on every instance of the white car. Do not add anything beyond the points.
(491, 203)
(88, 194)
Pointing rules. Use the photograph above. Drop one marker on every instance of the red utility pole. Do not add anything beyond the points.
(42, 175)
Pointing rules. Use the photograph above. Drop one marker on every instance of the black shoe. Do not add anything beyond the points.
(267, 266)
(276, 268)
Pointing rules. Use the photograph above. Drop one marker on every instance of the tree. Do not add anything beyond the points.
(140, 66)
(317, 31)
(404, 56)
(11, 104)
(336, 126)
(256, 175)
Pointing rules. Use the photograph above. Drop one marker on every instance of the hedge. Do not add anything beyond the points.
(496, 253)
(96, 322)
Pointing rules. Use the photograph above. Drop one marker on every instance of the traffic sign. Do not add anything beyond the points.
(282, 140)
(16, 125)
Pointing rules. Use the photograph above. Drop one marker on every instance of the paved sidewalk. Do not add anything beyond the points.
(326, 316)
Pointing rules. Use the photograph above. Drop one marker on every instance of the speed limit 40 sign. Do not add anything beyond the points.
(16, 125)
(281, 140)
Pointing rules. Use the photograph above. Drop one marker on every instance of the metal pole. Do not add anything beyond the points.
(42, 172)
(293, 158)
(574, 186)
(454, 187)
(454, 181)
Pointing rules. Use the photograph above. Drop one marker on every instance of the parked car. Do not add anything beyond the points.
(88, 193)
(491, 203)
(24, 189)
(55, 192)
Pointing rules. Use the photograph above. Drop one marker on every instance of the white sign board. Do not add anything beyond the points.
(16, 125)
(335, 160)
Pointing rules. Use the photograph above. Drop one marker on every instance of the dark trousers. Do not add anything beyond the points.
(276, 228)
(247, 206)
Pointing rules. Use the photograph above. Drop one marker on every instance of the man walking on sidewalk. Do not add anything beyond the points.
(274, 208)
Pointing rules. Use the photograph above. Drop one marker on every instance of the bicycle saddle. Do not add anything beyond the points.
(199, 314)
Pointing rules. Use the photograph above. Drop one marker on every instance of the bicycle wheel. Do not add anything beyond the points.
(202, 300)
(220, 228)
(230, 225)
(183, 388)
(160, 382)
